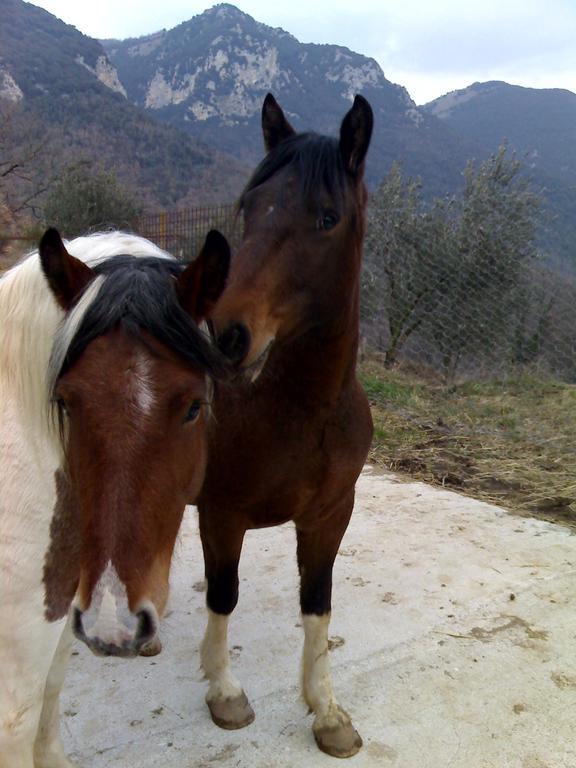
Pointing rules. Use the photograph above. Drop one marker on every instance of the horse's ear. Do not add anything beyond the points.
(355, 133)
(275, 127)
(200, 285)
(66, 275)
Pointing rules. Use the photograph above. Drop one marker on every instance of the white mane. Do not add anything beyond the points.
(30, 319)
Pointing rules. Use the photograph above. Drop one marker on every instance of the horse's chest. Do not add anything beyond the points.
(283, 467)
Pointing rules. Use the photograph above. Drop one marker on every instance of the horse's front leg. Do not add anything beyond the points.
(25, 657)
(48, 749)
(226, 700)
(18, 726)
(17, 750)
(317, 549)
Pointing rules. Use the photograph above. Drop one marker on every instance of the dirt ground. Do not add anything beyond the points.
(453, 646)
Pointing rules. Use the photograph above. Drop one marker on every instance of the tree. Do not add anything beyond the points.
(494, 231)
(405, 260)
(450, 272)
(82, 201)
(27, 161)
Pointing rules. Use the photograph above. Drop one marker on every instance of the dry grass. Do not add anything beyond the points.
(511, 442)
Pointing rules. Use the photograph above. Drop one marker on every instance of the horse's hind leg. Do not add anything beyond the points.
(48, 749)
(317, 549)
(226, 700)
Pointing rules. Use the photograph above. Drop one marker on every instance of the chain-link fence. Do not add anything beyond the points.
(460, 286)
(471, 320)
(182, 233)
(458, 293)
(461, 312)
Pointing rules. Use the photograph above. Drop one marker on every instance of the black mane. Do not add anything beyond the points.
(140, 294)
(318, 163)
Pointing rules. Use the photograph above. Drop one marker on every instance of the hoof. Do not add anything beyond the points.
(231, 713)
(153, 648)
(340, 741)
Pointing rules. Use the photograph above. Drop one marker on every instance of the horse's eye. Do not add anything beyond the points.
(61, 404)
(327, 220)
(193, 411)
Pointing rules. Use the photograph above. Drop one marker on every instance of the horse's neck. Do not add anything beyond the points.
(320, 364)
(27, 497)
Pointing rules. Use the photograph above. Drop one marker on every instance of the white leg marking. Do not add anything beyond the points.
(48, 750)
(216, 660)
(316, 677)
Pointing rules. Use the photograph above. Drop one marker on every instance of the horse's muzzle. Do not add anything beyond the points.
(123, 641)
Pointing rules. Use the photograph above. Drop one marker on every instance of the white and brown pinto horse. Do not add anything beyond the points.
(105, 380)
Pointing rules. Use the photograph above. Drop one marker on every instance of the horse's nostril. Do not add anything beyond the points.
(146, 627)
(235, 342)
(77, 627)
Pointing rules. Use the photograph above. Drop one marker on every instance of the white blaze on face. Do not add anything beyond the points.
(109, 617)
(142, 384)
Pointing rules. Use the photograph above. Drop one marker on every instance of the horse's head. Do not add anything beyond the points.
(304, 220)
(131, 384)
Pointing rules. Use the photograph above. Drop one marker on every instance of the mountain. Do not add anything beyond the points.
(65, 82)
(540, 125)
(177, 112)
(208, 76)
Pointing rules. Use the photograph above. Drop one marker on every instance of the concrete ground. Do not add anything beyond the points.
(453, 635)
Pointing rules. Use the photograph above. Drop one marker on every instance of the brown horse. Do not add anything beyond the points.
(105, 380)
(290, 444)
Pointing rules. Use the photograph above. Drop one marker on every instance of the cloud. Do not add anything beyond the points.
(433, 48)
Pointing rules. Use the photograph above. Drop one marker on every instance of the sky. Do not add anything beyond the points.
(429, 46)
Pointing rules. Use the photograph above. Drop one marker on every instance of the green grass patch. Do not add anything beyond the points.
(387, 390)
